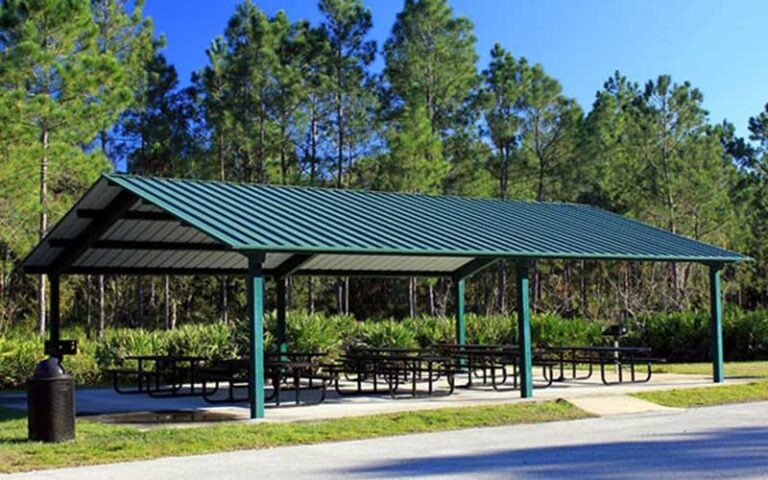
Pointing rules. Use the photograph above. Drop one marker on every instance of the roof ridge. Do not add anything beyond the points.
(348, 190)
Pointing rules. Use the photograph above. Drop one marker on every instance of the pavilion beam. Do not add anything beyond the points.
(373, 273)
(475, 266)
(119, 205)
(144, 215)
(291, 265)
(524, 330)
(142, 245)
(97, 270)
(255, 287)
(716, 323)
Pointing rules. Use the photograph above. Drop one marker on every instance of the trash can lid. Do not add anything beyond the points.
(49, 368)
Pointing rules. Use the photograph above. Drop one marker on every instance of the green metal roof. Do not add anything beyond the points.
(337, 224)
(279, 218)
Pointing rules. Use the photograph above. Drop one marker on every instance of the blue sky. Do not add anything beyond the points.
(719, 46)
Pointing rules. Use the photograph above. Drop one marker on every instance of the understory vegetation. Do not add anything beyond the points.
(677, 337)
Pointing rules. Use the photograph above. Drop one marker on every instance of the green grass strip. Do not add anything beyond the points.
(704, 396)
(754, 369)
(101, 443)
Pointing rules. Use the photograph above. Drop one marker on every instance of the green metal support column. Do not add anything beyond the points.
(282, 341)
(524, 330)
(716, 323)
(255, 286)
(54, 309)
(461, 334)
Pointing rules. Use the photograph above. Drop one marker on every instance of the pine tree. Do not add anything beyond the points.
(61, 88)
(430, 58)
(157, 135)
(415, 162)
(346, 24)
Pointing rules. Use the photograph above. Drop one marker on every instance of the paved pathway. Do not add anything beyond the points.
(106, 402)
(716, 442)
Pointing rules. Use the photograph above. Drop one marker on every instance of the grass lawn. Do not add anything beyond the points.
(703, 396)
(718, 395)
(732, 369)
(101, 443)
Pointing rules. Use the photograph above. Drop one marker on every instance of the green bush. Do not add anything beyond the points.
(431, 330)
(550, 330)
(676, 336)
(387, 334)
(315, 332)
(18, 357)
(684, 336)
(490, 329)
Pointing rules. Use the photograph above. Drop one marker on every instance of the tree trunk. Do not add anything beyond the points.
(313, 149)
(346, 295)
(583, 291)
(174, 315)
(501, 298)
(140, 301)
(88, 323)
(310, 296)
(340, 151)
(102, 309)
(431, 300)
(41, 284)
(224, 313)
(412, 297)
(166, 302)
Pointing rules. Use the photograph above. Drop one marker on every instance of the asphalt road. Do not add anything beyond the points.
(717, 442)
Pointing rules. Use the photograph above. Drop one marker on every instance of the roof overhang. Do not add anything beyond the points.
(117, 228)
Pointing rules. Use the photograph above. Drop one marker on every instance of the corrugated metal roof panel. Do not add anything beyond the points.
(349, 230)
(276, 218)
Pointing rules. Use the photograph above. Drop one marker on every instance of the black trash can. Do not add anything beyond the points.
(51, 403)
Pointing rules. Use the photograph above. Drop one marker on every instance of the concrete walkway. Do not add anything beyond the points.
(716, 442)
(142, 410)
(604, 405)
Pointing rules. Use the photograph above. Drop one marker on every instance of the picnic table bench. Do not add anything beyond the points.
(605, 357)
(389, 369)
(158, 375)
(166, 376)
(496, 365)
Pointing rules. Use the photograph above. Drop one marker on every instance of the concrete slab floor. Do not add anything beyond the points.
(147, 412)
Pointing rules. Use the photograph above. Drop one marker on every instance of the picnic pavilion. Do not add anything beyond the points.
(129, 225)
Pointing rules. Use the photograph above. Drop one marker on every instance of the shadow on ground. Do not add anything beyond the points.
(720, 453)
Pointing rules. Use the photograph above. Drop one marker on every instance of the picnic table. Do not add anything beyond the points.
(392, 367)
(496, 364)
(605, 357)
(284, 374)
(159, 375)
(166, 375)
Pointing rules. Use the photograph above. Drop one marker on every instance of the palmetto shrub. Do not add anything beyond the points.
(676, 336)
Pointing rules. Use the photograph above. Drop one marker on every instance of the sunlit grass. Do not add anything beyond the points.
(757, 369)
(102, 443)
(704, 396)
